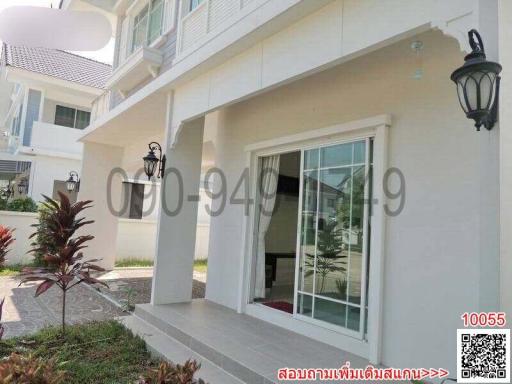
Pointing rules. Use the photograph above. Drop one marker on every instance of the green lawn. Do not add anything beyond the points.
(102, 352)
(199, 265)
(134, 263)
(12, 270)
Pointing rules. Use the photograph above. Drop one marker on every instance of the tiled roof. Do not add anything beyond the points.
(60, 64)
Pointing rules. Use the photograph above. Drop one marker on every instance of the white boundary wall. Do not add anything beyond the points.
(22, 222)
(136, 238)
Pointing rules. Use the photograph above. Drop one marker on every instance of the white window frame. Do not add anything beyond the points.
(167, 23)
(76, 114)
(377, 128)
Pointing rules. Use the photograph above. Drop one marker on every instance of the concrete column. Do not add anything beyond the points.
(505, 131)
(98, 162)
(176, 237)
(489, 267)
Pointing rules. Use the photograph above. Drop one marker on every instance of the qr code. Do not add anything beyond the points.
(483, 355)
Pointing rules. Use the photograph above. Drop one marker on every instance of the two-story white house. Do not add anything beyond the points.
(51, 95)
(356, 212)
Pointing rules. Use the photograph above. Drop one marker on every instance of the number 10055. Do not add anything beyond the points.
(484, 319)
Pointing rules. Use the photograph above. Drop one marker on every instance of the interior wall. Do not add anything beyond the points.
(281, 235)
(282, 232)
(431, 247)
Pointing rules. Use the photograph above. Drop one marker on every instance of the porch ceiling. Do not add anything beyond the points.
(135, 124)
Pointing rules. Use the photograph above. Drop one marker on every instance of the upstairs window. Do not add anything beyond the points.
(147, 24)
(194, 4)
(140, 28)
(71, 117)
(156, 16)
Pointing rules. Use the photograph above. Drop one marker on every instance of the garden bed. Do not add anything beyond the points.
(100, 352)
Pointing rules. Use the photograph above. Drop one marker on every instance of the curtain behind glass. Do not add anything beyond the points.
(269, 179)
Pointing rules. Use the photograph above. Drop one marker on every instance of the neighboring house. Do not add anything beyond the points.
(48, 109)
(321, 93)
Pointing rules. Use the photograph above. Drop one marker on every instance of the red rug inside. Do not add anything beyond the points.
(280, 305)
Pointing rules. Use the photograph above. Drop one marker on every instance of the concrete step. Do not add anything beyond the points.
(240, 364)
(161, 344)
(248, 348)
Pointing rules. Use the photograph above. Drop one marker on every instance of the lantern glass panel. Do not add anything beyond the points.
(471, 91)
(487, 90)
(150, 165)
(460, 93)
(70, 185)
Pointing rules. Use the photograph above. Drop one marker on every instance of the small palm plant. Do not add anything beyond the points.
(330, 257)
(6, 239)
(65, 266)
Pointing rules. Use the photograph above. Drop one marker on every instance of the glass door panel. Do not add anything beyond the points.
(332, 250)
(308, 230)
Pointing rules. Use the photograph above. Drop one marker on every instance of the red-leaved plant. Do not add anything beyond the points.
(169, 373)
(2, 329)
(6, 239)
(65, 266)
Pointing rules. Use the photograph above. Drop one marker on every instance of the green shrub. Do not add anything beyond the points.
(3, 205)
(43, 242)
(22, 204)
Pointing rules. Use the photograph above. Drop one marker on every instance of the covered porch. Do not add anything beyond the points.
(244, 347)
(404, 113)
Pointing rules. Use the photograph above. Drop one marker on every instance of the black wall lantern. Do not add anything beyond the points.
(23, 186)
(478, 84)
(151, 161)
(7, 192)
(73, 183)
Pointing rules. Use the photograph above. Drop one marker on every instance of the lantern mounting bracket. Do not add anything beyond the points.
(478, 84)
(154, 146)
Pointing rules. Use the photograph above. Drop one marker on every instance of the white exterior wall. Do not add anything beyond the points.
(136, 239)
(45, 170)
(505, 58)
(21, 222)
(432, 249)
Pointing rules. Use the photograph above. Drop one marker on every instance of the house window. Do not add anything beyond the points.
(71, 117)
(134, 192)
(194, 4)
(147, 24)
(327, 225)
(140, 27)
(16, 123)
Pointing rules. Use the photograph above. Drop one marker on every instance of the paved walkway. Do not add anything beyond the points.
(135, 284)
(25, 314)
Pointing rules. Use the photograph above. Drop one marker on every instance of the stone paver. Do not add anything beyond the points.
(121, 281)
(24, 314)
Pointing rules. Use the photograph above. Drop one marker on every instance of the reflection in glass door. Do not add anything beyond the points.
(333, 246)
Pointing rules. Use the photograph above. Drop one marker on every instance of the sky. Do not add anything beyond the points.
(104, 55)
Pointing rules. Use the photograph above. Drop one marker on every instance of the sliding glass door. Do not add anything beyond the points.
(332, 258)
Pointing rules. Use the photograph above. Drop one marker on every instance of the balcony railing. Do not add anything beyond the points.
(100, 105)
(8, 143)
(210, 18)
(56, 138)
